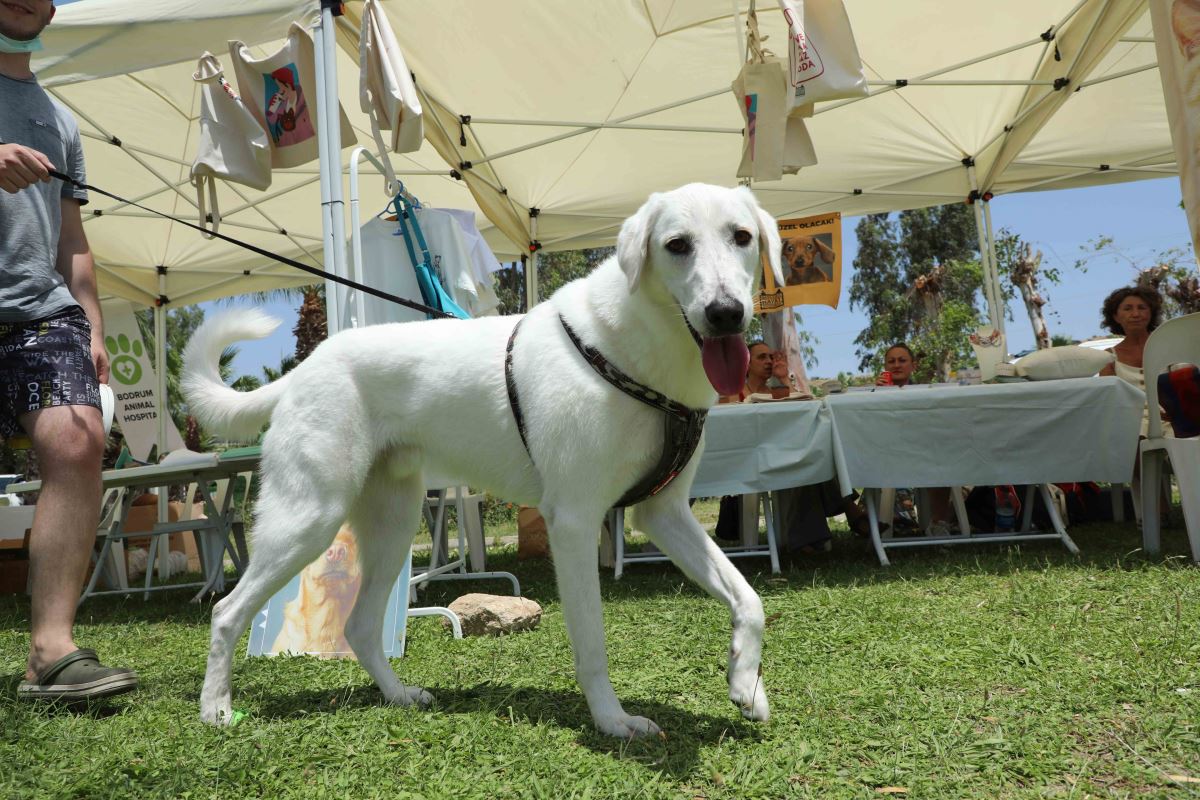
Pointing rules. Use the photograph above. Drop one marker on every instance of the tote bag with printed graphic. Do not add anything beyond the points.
(280, 90)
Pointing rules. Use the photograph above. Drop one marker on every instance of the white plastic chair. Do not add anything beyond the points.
(1176, 341)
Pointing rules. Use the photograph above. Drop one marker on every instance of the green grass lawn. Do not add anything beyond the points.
(981, 672)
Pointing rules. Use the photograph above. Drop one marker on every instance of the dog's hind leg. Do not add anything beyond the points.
(669, 523)
(287, 535)
(385, 519)
(573, 540)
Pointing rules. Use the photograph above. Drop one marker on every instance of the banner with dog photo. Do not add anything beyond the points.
(308, 615)
(811, 261)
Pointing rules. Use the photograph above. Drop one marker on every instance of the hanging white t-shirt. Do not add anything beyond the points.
(483, 260)
(452, 260)
(386, 266)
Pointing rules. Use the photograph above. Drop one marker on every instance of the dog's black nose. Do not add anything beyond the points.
(725, 316)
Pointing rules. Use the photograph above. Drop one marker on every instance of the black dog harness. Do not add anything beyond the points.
(681, 433)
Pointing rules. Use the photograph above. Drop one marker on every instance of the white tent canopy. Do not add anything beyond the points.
(580, 110)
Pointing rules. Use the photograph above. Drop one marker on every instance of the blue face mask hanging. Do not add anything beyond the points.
(8, 45)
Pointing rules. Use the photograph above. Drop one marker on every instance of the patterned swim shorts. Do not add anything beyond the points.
(43, 363)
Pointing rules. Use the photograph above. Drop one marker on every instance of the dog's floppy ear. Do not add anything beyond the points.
(633, 242)
(826, 251)
(768, 235)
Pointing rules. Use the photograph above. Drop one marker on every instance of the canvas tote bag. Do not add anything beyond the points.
(386, 89)
(772, 142)
(232, 147)
(387, 94)
(823, 60)
(281, 92)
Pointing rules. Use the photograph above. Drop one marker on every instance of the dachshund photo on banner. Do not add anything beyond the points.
(810, 254)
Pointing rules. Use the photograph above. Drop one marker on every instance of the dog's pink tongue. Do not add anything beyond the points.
(725, 361)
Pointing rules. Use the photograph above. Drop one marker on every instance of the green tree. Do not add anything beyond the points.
(248, 383)
(182, 322)
(918, 279)
(1021, 275)
(1173, 272)
(312, 326)
(554, 271)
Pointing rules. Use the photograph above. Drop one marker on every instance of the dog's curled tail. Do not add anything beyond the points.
(237, 415)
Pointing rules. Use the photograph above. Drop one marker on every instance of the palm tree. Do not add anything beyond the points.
(311, 323)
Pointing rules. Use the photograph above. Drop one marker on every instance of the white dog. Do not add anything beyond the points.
(355, 425)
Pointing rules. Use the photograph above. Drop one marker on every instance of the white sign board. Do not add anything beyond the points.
(134, 383)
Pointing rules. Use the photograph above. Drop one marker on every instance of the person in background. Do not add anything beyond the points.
(900, 363)
(803, 510)
(52, 357)
(1133, 312)
(762, 362)
(758, 373)
(782, 382)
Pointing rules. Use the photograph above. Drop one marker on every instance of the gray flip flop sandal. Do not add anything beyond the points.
(76, 677)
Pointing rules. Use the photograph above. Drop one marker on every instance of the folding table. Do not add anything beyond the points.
(213, 530)
(750, 449)
(1035, 432)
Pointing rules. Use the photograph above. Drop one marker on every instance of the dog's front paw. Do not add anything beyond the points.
(750, 699)
(219, 714)
(627, 726)
(411, 696)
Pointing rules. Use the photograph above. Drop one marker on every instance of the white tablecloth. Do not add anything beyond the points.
(1084, 429)
(761, 447)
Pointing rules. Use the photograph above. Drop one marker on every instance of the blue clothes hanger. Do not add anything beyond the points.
(433, 294)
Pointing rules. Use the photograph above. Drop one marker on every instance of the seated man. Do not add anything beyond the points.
(803, 510)
(900, 364)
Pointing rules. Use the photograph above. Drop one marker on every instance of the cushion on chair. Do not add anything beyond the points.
(1179, 395)
(1068, 361)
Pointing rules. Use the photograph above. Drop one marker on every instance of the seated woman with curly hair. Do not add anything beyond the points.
(1133, 312)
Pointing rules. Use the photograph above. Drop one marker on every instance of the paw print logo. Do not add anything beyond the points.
(125, 367)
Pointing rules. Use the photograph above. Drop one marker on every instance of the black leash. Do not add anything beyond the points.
(266, 253)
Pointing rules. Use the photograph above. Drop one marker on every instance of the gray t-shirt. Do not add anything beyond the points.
(30, 220)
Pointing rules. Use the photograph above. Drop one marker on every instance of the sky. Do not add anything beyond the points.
(1143, 218)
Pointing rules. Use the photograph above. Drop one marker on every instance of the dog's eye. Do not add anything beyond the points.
(680, 247)
(742, 238)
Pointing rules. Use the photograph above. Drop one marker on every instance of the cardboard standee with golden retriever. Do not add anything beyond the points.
(810, 253)
(308, 616)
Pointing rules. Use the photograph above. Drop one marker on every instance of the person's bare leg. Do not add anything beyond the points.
(69, 442)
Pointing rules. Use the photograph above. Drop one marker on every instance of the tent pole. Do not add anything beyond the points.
(991, 288)
(531, 276)
(160, 365)
(329, 134)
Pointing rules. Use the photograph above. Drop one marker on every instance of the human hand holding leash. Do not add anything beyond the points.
(21, 167)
